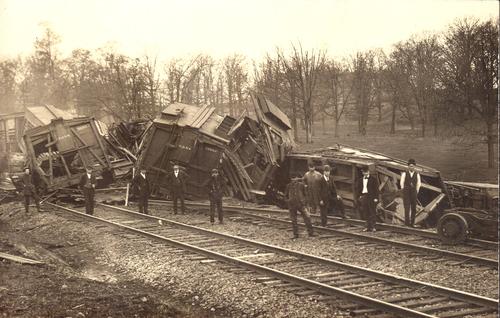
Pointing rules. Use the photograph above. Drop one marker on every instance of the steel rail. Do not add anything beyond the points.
(449, 292)
(311, 284)
(379, 226)
(368, 238)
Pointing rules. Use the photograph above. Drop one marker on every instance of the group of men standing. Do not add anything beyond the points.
(177, 180)
(305, 194)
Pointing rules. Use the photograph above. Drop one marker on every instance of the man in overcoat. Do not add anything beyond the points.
(142, 190)
(328, 196)
(87, 185)
(215, 192)
(29, 190)
(178, 180)
(295, 196)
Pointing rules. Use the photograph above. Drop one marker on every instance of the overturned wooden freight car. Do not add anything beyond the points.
(347, 163)
(60, 151)
(248, 151)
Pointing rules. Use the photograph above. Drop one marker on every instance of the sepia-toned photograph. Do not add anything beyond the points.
(249, 159)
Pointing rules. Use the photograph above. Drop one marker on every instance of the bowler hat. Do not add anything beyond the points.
(411, 162)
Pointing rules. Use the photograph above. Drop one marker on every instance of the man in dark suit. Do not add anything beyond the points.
(87, 185)
(295, 196)
(410, 184)
(368, 197)
(177, 181)
(141, 187)
(328, 196)
(29, 190)
(215, 192)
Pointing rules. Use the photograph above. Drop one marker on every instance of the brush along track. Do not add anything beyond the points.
(303, 274)
(472, 253)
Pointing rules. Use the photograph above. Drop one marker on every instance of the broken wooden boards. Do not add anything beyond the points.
(248, 151)
(60, 151)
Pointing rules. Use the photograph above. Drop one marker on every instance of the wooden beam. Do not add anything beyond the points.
(398, 177)
(19, 259)
(51, 176)
(98, 137)
(89, 147)
(432, 205)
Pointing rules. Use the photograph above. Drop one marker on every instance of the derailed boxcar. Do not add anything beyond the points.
(348, 162)
(247, 150)
(190, 136)
(60, 151)
(257, 149)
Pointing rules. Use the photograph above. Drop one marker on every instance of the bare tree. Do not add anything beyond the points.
(471, 76)
(364, 88)
(305, 67)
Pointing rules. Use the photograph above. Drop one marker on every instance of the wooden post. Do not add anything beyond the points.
(126, 194)
(51, 176)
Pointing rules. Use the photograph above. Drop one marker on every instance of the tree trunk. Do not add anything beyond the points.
(393, 119)
(336, 127)
(323, 125)
(491, 144)
(423, 127)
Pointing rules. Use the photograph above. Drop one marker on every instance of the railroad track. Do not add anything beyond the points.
(477, 254)
(373, 292)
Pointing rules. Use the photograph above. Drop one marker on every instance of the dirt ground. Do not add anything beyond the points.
(70, 283)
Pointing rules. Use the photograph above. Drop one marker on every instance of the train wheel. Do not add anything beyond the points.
(452, 228)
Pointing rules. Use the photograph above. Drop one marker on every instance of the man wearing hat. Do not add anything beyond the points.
(328, 196)
(295, 196)
(178, 180)
(141, 186)
(311, 183)
(410, 184)
(29, 190)
(87, 185)
(215, 192)
(368, 197)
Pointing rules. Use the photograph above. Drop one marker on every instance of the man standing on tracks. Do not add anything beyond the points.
(311, 181)
(410, 184)
(87, 184)
(29, 190)
(215, 192)
(295, 196)
(368, 197)
(177, 180)
(141, 186)
(328, 197)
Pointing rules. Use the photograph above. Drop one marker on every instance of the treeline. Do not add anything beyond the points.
(446, 80)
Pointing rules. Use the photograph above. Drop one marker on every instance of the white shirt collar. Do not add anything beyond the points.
(176, 173)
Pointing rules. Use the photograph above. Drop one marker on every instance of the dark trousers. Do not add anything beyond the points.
(216, 203)
(27, 201)
(410, 205)
(178, 196)
(294, 208)
(323, 211)
(312, 199)
(368, 211)
(88, 194)
(143, 204)
(337, 206)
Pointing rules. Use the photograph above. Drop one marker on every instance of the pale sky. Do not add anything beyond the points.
(179, 28)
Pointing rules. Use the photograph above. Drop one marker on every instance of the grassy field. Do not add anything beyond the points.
(455, 160)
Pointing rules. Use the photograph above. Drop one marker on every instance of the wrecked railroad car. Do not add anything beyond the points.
(13, 127)
(60, 151)
(257, 149)
(248, 151)
(190, 136)
(347, 163)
